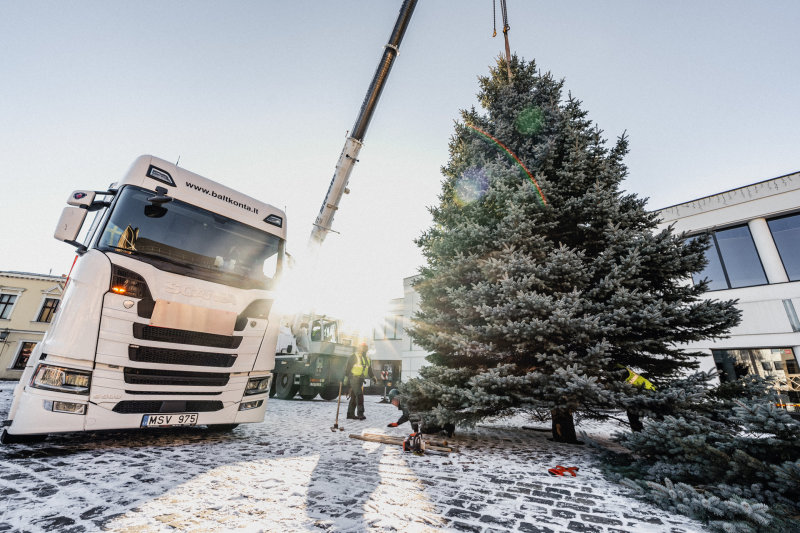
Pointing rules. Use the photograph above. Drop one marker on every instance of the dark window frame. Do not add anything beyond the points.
(47, 311)
(16, 365)
(772, 235)
(715, 244)
(8, 305)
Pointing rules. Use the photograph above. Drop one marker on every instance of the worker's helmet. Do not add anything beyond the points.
(393, 394)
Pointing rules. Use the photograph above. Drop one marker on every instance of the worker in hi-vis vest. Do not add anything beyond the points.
(358, 369)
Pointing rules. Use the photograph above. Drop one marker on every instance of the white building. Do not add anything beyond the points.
(392, 341)
(754, 257)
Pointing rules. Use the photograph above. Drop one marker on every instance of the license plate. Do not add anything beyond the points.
(167, 420)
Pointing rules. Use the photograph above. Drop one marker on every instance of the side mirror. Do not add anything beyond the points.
(69, 225)
(81, 198)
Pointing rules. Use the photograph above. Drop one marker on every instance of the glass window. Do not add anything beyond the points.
(732, 261)
(739, 257)
(49, 308)
(786, 234)
(324, 330)
(765, 362)
(24, 354)
(6, 303)
(713, 271)
(180, 237)
(392, 326)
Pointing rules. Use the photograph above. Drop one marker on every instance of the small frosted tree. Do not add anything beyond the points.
(729, 457)
(543, 279)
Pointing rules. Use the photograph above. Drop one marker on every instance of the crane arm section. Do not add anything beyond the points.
(352, 146)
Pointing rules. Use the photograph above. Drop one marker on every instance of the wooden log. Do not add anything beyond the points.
(435, 442)
(398, 441)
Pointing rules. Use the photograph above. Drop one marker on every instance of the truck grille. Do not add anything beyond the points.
(169, 406)
(147, 376)
(166, 356)
(182, 336)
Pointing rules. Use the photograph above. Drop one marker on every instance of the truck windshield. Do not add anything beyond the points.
(185, 239)
(323, 330)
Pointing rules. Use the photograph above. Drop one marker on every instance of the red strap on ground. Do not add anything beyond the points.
(562, 470)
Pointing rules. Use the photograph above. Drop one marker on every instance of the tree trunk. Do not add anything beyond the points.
(635, 421)
(563, 426)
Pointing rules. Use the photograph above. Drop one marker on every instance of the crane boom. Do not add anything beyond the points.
(354, 142)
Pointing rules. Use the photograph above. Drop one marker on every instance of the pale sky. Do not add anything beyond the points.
(259, 96)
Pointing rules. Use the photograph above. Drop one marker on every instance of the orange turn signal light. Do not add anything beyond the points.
(118, 289)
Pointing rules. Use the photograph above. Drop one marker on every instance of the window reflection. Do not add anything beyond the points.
(732, 261)
(786, 234)
(739, 257)
(713, 271)
(25, 350)
(198, 242)
(776, 363)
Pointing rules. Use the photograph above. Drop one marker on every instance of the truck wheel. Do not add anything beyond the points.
(329, 392)
(222, 427)
(8, 438)
(285, 389)
(309, 396)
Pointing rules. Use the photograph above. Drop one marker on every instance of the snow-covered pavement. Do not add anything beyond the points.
(292, 473)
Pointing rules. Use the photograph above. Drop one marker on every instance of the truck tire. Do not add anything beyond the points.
(285, 389)
(308, 396)
(330, 392)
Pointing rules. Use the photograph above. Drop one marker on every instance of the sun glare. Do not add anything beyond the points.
(338, 287)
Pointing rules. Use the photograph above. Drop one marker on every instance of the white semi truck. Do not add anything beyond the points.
(164, 319)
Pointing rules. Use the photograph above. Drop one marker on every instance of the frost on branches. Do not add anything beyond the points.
(544, 280)
(730, 458)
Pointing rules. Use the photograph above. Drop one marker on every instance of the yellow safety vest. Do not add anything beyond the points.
(638, 381)
(360, 366)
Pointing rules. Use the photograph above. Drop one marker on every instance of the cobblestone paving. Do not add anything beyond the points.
(292, 473)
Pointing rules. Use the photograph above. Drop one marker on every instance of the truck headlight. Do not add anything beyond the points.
(257, 385)
(128, 283)
(60, 379)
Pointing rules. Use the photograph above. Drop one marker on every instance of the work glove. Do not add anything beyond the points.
(392, 425)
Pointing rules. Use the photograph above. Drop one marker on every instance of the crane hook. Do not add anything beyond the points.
(506, 27)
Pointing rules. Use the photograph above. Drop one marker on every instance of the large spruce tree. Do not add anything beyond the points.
(543, 278)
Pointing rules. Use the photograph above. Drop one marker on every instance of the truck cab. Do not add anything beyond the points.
(165, 315)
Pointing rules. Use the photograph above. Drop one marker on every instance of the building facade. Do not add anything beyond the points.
(27, 305)
(392, 341)
(754, 258)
